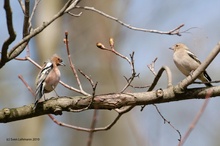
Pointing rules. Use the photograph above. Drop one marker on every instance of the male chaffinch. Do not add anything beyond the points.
(187, 62)
(48, 77)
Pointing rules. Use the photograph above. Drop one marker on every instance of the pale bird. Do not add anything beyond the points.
(187, 62)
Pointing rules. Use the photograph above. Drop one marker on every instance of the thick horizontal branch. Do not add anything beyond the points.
(106, 101)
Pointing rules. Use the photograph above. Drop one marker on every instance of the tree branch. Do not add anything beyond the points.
(26, 18)
(72, 66)
(196, 119)
(12, 34)
(19, 47)
(106, 101)
(175, 31)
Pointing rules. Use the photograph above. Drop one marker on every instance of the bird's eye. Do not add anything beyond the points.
(177, 45)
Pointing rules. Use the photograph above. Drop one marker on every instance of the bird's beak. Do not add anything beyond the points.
(171, 48)
(62, 64)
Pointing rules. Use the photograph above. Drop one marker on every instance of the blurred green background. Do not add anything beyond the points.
(135, 128)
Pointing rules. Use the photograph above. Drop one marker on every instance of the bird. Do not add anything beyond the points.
(187, 62)
(48, 77)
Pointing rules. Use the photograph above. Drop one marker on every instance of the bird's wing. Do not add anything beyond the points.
(197, 60)
(193, 56)
(41, 78)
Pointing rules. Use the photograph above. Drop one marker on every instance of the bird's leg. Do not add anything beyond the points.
(45, 98)
(55, 92)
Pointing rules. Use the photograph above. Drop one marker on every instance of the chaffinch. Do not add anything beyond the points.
(187, 62)
(48, 77)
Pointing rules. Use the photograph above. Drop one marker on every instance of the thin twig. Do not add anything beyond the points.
(102, 47)
(175, 31)
(26, 85)
(66, 41)
(120, 113)
(75, 15)
(187, 30)
(196, 119)
(133, 73)
(146, 86)
(152, 66)
(166, 121)
(72, 5)
(169, 84)
(36, 2)
(157, 77)
(91, 82)
(73, 89)
(33, 62)
(216, 81)
(93, 89)
(130, 61)
(91, 133)
(22, 6)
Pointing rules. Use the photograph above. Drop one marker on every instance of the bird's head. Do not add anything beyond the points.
(179, 46)
(57, 60)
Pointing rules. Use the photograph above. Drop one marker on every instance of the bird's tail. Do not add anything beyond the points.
(35, 104)
(205, 79)
(208, 84)
(38, 94)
